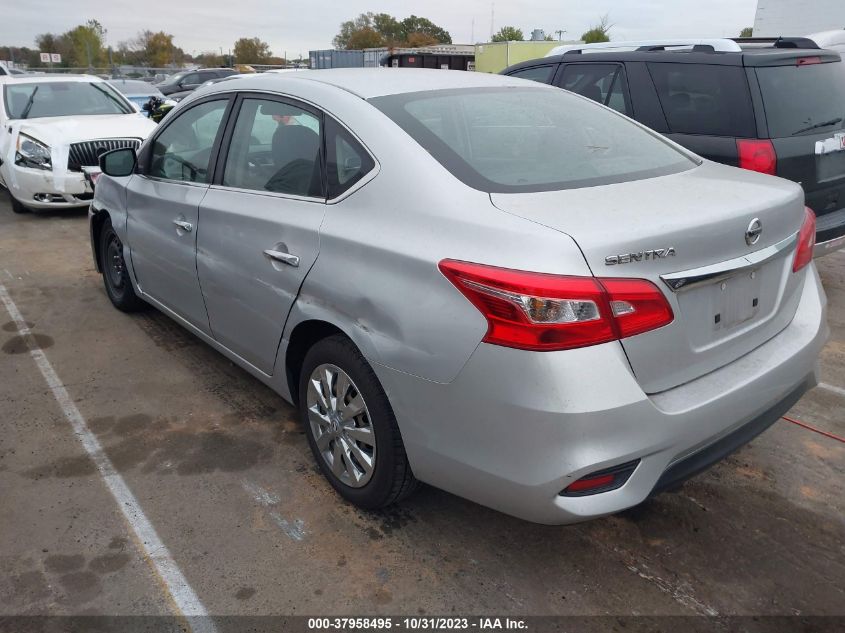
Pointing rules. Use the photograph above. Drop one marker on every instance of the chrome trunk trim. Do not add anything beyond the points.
(686, 279)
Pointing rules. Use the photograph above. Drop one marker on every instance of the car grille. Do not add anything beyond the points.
(87, 153)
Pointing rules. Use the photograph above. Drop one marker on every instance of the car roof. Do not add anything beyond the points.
(751, 56)
(28, 79)
(376, 82)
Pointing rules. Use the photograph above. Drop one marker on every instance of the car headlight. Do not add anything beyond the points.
(32, 153)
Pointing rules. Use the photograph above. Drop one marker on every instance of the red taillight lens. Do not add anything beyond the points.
(757, 155)
(806, 241)
(541, 312)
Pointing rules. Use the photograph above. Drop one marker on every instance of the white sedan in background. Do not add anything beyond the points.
(52, 132)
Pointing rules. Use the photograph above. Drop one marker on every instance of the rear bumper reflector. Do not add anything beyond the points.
(601, 480)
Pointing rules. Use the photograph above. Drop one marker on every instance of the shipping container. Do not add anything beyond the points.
(373, 57)
(333, 58)
(429, 60)
(496, 56)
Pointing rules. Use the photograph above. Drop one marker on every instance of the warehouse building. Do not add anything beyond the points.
(798, 17)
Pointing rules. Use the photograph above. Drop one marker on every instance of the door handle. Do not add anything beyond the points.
(185, 226)
(279, 256)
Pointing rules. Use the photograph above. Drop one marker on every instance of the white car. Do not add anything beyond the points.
(52, 132)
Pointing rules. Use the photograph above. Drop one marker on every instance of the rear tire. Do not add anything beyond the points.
(347, 417)
(115, 276)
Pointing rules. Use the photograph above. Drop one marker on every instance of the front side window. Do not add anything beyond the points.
(543, 74)
(62, 98)
(510, 140)
(275, 147)
(603, 83)
(704, 99)
(183, 150)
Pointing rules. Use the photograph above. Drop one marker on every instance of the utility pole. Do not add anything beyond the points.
(472, 37)
(492, 18)
(88, 54)
(560, 35)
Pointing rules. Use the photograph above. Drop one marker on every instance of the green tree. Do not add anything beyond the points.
(414, 24)
(508, 34)
(158, 49)
(371, 30)
(366, 37)
(251, 50)
(87, 43)
(747, 32)
(598, 33)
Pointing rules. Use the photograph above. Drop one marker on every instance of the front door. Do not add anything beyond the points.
(260, 225)
(163, 210)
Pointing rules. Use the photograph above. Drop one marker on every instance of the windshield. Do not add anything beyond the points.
(173, 79)
(511, 140)
(820, 107)
(62, 98)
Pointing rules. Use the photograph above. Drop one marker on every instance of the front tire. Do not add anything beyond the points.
(17, 206)
(115, 276)
(351, 427)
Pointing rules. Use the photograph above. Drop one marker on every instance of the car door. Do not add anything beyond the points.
(260, 223)
(162, 208)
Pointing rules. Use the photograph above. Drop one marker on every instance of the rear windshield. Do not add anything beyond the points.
(62, 98)
(806, 99)
(510, 140)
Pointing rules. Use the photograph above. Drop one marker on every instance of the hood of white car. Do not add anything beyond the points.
(57, 131)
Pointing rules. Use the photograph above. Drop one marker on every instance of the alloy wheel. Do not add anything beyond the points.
(341, 425)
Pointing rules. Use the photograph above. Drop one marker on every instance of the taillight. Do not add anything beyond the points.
(542, 312)
(806, 241)
(757, 155)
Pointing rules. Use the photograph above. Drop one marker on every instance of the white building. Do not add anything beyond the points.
(798, 17)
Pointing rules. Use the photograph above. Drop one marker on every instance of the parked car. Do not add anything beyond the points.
(190, 80)
(493, 286)
(53, 130)
(176, 97)
(138, 92)
(773, 106)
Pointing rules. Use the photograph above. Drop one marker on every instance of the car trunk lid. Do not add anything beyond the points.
(687, 230)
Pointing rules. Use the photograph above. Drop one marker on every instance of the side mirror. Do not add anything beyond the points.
(118, 162)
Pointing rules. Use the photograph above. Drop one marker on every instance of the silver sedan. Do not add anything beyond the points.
(496, 287)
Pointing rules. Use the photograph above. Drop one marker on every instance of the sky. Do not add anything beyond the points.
(299, 26)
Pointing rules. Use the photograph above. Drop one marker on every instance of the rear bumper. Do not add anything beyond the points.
(515, 428)
(830, 232)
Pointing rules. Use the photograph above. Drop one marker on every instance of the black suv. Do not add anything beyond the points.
(192, 79)
(774, 106)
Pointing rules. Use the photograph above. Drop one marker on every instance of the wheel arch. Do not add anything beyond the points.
(97, 221)
(302, 338)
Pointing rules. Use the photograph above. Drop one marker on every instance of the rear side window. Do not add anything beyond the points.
(543, 74)
(511, 140)
(806, 99)
(603, 83)
(701, 99)
(346, 161)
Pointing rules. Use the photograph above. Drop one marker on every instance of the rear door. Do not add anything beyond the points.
(808, 133)
(260, 224)
(707, 107)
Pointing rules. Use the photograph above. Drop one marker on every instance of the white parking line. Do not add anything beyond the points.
(836, 390)
(146, 538)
